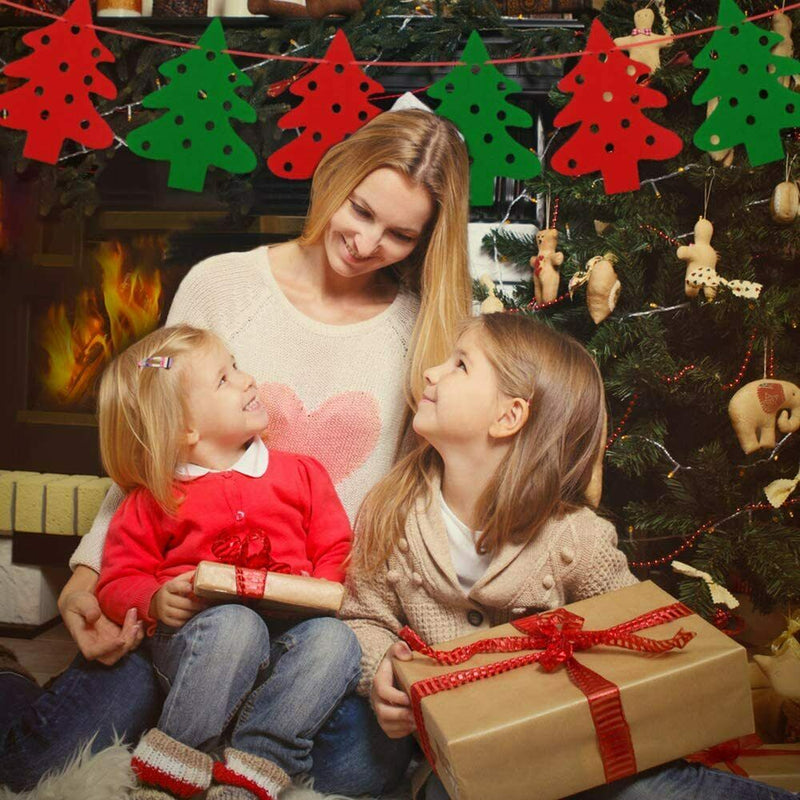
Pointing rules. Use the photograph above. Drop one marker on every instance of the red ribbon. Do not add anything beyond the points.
(250, 583)
(728, 752)
(556, 635)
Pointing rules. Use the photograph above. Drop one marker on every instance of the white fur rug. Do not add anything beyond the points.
(107, 775)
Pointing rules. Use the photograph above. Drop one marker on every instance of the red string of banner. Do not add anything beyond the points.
(310, 60)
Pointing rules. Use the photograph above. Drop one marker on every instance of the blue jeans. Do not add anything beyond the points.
(41, 729)
(267, 698)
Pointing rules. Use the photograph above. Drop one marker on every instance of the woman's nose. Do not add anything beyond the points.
(367, 242)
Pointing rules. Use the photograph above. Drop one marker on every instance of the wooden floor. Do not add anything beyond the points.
(45, 656)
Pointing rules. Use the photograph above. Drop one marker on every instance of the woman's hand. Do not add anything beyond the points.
(175, 603)
(392, 705)
(97, 637)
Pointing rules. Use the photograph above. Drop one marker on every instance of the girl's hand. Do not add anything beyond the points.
(97, 637)
(175, 603)
(392, 705)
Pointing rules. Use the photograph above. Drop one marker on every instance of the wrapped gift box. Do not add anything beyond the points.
(276, 592)
(527, 732)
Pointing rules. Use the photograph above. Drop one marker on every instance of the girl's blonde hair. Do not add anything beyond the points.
(429, 151)
(549, 466)
(142, 412)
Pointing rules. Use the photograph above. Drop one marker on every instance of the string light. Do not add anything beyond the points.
(709, 527)
(623, 421)
(676, 465)
(771, 457)
(655, 310)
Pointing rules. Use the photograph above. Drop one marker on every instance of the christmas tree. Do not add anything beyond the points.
(678, 484)
(335, 104)
(196, 132)
(474, 98)
(54, 104)
(614, 134)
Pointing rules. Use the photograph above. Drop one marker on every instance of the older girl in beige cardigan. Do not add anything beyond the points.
(489, 519)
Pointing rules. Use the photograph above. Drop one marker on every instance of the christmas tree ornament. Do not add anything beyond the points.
(335, 104)
(719, 594)
(601, 227)
(782, 668)
(614, 135)
(603, 290)
(119, 8)
(195, 132)
(725, 157)
(784, 206)
(648, 54)
(744, 74)
(701, 262)
(474, 97)
(61, 74)
(782, 25)
(545, 266)
(778, 491)
(492, 304)
(756, 408)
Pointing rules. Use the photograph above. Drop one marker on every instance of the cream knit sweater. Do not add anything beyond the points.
(334, 392)
(571, 559)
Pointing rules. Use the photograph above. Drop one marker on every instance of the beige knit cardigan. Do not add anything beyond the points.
(571, 559)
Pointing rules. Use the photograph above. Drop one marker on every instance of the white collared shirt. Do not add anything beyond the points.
(253, 463)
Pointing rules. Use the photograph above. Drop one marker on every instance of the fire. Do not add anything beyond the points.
(80, 341)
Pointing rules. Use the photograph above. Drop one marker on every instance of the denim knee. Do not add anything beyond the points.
(327, 640)
(239, 634)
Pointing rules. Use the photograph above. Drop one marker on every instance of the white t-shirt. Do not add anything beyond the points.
(469, 564)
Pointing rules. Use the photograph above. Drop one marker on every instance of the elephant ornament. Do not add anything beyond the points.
(756, 408)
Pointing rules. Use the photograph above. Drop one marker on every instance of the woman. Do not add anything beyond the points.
(337, 327)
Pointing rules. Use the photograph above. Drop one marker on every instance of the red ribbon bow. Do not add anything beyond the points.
(556, 635)
(729, 752)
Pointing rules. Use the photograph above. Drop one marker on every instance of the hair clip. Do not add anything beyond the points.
(158, 362)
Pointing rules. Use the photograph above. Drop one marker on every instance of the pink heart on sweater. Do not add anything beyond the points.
(341, 433)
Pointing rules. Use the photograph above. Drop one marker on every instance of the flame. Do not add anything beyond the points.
(77, 350)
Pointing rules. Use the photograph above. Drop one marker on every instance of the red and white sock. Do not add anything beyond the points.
(163, 761)
(263, 778)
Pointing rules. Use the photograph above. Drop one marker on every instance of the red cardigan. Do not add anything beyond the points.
(290, 519)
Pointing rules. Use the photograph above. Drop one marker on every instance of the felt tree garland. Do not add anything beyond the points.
(335, 104)
(474, 98)
(743, 72)
(614, 134)
(61, 72)
(201, 99)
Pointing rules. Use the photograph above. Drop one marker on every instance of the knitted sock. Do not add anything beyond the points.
(229, 793)
(149, 793)
(258, 775)
(162, 761)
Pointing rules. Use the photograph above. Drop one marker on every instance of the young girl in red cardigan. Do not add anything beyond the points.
(179, 431)
(490, 519)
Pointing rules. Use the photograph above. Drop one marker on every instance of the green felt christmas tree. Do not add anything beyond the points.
(196, 131)
(474, 98)
(745, 75)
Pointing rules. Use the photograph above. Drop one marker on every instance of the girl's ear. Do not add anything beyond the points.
(513, 414)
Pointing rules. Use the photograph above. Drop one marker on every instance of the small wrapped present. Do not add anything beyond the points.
(560, 702)
(275, 592)
(775, 764)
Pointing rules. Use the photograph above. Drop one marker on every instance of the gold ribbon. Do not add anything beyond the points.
(787, 641)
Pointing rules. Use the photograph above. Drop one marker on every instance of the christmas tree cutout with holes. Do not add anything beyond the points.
(614, 135)
(196, 131)
(62, 72)
(335, 104)
(744, 74)
(474, 98)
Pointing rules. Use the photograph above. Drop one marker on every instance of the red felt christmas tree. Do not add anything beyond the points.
(614, 134)
(336, 104)
(61, 73)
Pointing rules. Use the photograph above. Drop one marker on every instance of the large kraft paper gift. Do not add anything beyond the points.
(775, 764)
(656, 683)
(275, 592)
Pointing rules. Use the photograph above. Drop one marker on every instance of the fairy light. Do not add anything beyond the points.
(655, 310)
(676, 465)
(773, 456)
(708, 527)
(623, 421)
(679, 171)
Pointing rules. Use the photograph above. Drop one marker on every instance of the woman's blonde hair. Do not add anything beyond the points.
(142, 412)
(547, 470)
(429, 151)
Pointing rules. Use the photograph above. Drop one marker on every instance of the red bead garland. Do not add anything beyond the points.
(534, 306)
(555, 213)
(709, 526)
(678, 375)
(661, 234)
(740, 374)
(623, 421)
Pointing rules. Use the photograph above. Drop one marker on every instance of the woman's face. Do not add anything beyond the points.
(378, 225)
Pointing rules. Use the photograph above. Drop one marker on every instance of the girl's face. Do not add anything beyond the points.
(223, 408)
(461, 400)
(379, 224)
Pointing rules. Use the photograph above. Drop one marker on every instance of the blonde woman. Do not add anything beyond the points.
(337, 327)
